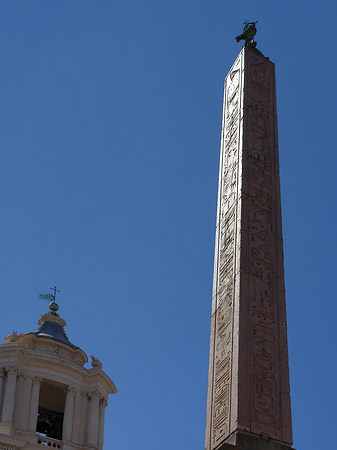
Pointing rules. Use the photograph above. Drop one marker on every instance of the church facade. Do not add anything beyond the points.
(48, 398)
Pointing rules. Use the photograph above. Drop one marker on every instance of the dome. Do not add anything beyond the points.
(52, 326)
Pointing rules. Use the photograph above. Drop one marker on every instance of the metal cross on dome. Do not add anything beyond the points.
(55, 290)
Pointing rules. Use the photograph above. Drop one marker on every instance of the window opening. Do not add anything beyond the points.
(51, 409)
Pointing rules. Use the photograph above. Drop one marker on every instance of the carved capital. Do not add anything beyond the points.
(70, 390)
(104, 401)
(36, 379)
(12, 370)
(27, 377)
(94, 395)
(24, 376)
(85, 395)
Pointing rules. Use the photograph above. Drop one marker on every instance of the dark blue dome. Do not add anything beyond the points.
(55, 331)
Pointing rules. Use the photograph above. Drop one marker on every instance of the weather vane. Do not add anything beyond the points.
(53, 306)
(249, 31)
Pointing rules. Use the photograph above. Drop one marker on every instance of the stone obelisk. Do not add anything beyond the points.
(248, 404)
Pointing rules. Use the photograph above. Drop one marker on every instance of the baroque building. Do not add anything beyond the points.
(48, 398)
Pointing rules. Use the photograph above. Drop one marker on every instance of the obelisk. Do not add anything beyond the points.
(248, 405)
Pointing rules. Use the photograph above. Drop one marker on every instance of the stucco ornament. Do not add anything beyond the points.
(96, 362)
(51, 317)
(13, 337)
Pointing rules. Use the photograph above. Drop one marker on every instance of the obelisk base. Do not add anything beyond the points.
(244, 441)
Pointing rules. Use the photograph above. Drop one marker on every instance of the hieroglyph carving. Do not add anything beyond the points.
(249, 387)
(227, 220)
(265, 241)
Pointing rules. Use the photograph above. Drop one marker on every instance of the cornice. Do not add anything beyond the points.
(41, 344)
(34, 362)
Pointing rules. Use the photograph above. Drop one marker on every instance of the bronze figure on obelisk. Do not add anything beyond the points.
(248, 405)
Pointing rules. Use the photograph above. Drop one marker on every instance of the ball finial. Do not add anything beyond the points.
(53, 306)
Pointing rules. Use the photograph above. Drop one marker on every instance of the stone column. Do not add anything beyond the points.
(2, 374)
(93, 417)
(25, 402)
(18, 398)
(84, 418)
(34, 404)
(68, 415)
(9, 396)
(103, 404)
(77, 418)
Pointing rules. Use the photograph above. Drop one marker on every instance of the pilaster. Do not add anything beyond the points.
(68, 414)
(77, 417)
(93, 418)
(25, 402)
(34, 404)
(2, 375)
(9, 396)
(84, 418)
(102, 405)
(18, 397)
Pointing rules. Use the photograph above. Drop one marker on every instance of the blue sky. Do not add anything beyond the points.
(110, 131)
